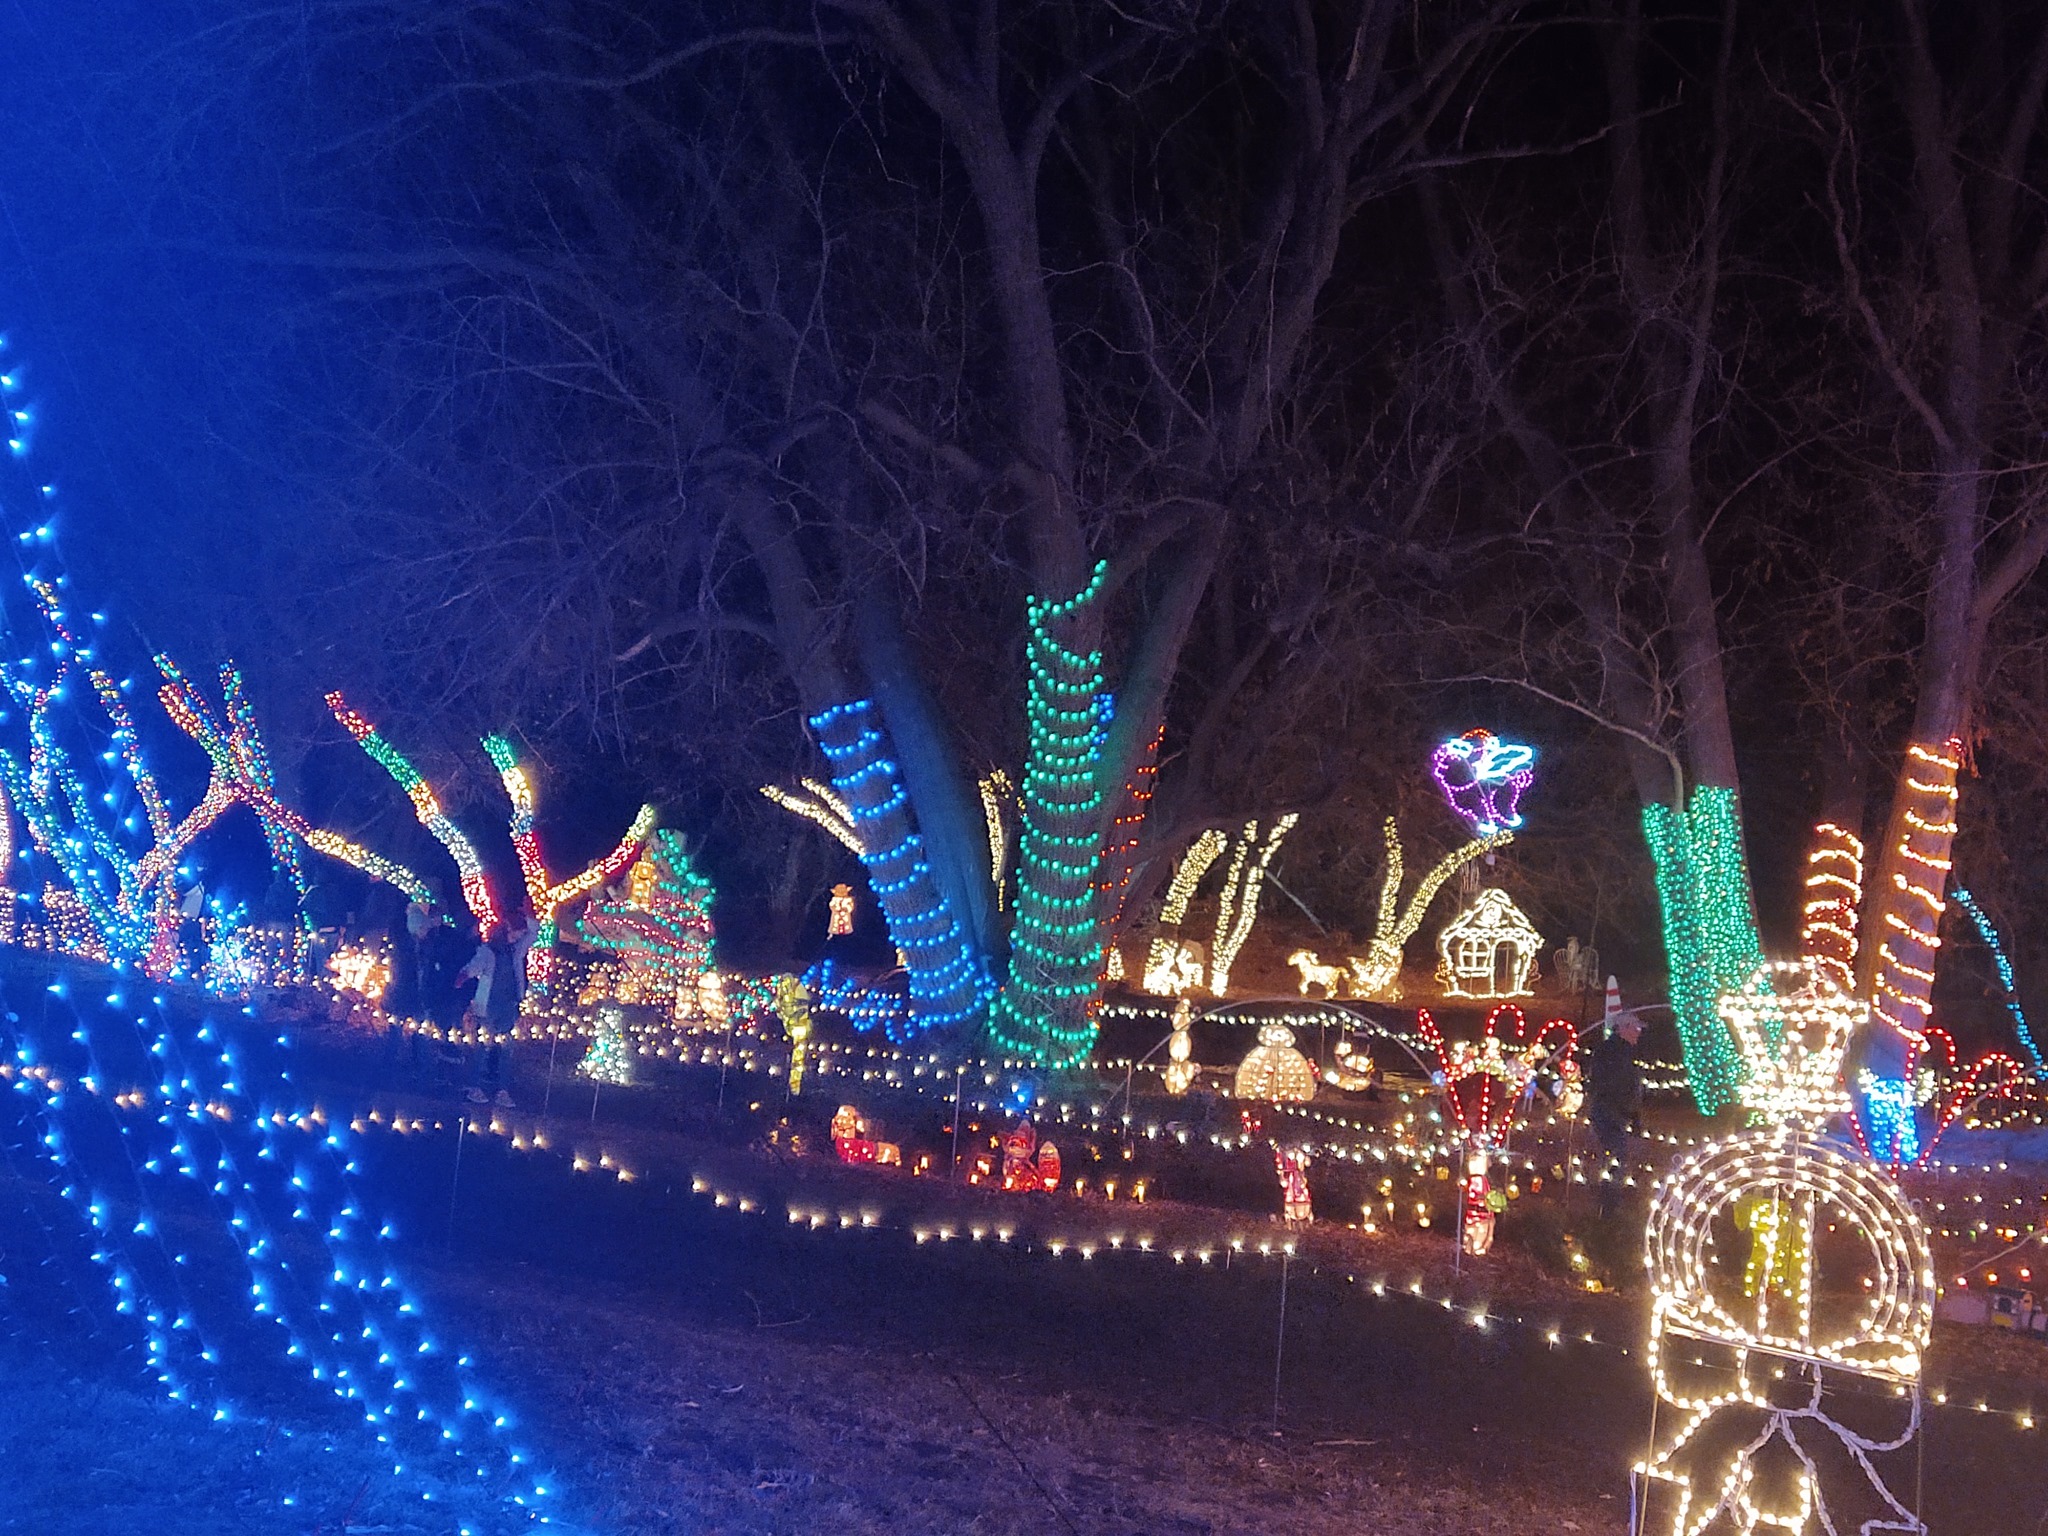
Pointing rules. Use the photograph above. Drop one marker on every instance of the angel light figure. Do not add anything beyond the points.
(1789, 1278)
(1484, 779)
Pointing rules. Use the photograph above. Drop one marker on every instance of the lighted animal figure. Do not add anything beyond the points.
(1180, 1067)
(1484, 779)
(1273, 1070)
(1316, 974)
(1752, 1344)
(1175, 966)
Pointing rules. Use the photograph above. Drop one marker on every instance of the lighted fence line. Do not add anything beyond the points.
(698, 1048)
(833, 1216)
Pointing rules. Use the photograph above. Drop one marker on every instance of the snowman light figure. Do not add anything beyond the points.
(1792, 1298)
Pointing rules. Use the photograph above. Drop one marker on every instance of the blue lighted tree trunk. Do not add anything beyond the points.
(948, 809)
(949, 979)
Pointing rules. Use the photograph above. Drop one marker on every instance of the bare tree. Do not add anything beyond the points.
(863, 325)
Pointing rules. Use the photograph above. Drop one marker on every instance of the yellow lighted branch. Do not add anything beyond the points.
(1161, 958)
(1378, 972)
(997, 792)
(821, 806)
(1241, 895)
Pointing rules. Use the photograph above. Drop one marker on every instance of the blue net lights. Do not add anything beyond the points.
(1989, 934)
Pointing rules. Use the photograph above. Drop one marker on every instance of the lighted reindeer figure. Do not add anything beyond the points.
(1316, 974)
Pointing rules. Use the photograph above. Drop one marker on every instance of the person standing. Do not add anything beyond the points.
(1614, 1101)
(482, 969)
(442, 952)
(494, 1008)
(401, 1000)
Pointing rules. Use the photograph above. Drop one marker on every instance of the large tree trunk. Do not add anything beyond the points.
(948, 807)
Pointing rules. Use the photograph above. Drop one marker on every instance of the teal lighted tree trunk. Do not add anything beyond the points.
(1710, 937)
(1047, 1008)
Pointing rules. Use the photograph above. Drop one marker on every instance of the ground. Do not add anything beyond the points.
(697, 1366)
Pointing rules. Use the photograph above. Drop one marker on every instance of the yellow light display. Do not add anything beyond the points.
(821, 807)
(793, 1006)
(1791, 1041)
(1468, 949)
(1273, 1070)
(997, 793)
(1316, 974)
(1238, 907)
(361, 970)
(1377, 974)
(1162, 960)
(1173, 967)
(1180, 1067)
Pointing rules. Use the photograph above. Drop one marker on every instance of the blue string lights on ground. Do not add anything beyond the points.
(949, 982)
(1989, 935)
(240, 1260)
(210, 1228)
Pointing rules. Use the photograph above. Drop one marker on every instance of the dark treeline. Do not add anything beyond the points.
(1656, 384)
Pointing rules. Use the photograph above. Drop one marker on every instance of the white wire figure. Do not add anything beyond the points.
(1792, 1299)
(1577, 966)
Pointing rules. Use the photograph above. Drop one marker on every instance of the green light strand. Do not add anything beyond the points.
(1710, 938)
(1046, 1011)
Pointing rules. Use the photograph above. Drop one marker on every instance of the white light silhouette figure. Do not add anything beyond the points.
(1753, 1348)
